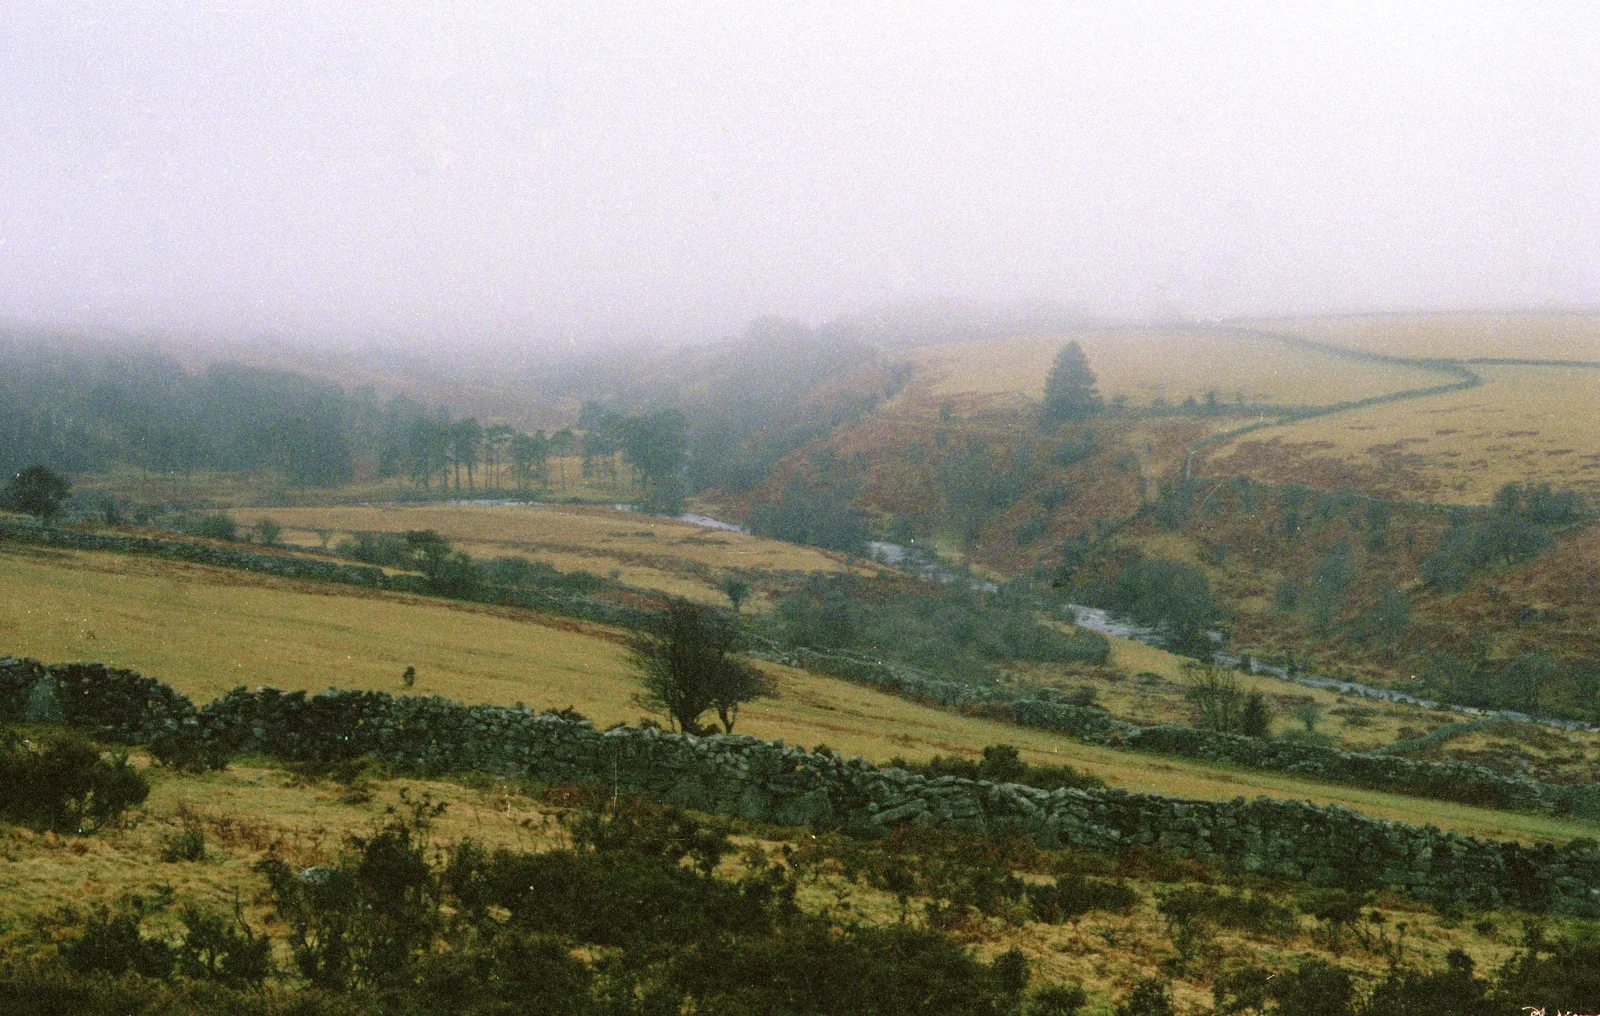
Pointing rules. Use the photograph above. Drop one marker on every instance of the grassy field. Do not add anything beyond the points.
(206, 630)
(643, 550)
(231, 490)
(1530, 335)
(1146, 365)
(1522, 423)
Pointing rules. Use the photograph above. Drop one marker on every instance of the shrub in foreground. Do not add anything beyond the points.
(64, 783)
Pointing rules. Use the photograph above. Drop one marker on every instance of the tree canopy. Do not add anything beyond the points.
(36, 491)
(687, 667)
(1070, 392)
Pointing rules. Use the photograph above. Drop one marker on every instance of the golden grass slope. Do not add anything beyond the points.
(645, 550)
(1147, 364)
(1522, 424)
(205, 630)
(1530, 335)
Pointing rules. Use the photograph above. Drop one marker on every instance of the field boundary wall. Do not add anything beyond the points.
(768, 781)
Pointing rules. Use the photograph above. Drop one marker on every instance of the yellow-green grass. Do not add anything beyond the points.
(205, 630)
(1146, 364)
(1522, 424)
(234, 489)
(646, 551)
(49, 883)
(1530, 335)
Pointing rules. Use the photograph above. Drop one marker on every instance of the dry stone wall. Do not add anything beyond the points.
(769, 781)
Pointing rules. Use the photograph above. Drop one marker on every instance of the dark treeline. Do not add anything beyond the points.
(76, 413)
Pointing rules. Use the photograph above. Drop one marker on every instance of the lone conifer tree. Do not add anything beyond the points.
(1070, 392)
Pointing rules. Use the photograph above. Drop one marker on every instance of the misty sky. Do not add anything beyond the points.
(405, 171)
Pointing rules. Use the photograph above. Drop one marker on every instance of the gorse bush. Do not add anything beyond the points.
(64, 783)
(496, 931)
(212, 948)
(112, 943)
(1150, 997)
(452, 573)
(962, 874)
(1071, 896)
(367, 919)
(183, 749)
(187, 844)
(1240, 911)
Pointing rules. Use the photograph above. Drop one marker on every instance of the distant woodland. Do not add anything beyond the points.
(719, 416)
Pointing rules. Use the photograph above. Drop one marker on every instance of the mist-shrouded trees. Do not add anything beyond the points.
(976, 490)
(311, 448)
(530, 459)
(687, 667)
(656, 445)
(817, 516)
(36, 491)
(602, 439)
(1510, 532)
(428, 451)
(466, 439)
(562, 443)
(1071, 391)
(1331, 583)
(496, 440)
(80, 413)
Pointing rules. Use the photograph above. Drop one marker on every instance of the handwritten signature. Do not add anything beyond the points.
(1538, 1010)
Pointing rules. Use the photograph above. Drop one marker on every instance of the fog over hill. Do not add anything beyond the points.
(564, 178)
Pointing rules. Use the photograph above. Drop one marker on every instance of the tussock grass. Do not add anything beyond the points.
(49, 884)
